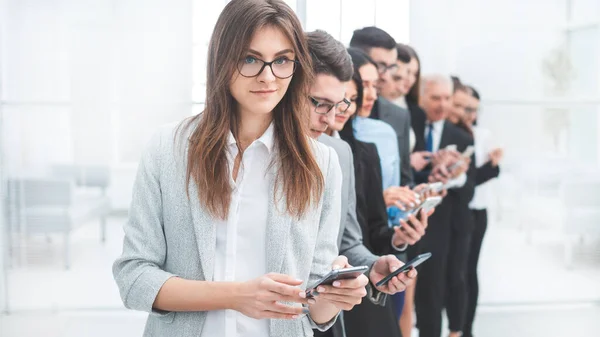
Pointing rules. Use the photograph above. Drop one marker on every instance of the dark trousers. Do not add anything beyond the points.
(442, 279)
(480, 221)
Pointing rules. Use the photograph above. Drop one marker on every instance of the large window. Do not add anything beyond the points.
(341, 18)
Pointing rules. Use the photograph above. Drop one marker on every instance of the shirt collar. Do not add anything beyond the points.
(267, 139)
(437, 125)
(401, 102)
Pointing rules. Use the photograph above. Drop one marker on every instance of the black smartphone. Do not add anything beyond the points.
(407, 267)
(338, 274)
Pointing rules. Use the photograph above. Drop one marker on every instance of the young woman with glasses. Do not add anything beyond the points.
(235, 210)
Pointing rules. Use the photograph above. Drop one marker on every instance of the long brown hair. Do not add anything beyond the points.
(298, 175)
(415, 92)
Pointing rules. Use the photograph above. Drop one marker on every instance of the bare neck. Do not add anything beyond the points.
(252, 127)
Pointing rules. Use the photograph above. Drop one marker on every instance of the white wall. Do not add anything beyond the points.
(89, 81)
(3, 239)
(497, 44)
(500, 46)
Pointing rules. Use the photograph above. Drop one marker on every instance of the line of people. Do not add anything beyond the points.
(309, 156)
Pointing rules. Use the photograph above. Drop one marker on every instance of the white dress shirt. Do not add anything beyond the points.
(401, 102)
(483, 146)
(438, 128)
(241, 239)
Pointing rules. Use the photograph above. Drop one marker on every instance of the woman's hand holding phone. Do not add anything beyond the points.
(402, 197)
(412, 231)
(259, 298)
(386, 265)
(343, 294)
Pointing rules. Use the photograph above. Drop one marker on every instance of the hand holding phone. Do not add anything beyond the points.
(463, 157)
(334, 275)
(427, 205)
(406, 268)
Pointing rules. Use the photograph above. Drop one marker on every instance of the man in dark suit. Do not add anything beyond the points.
(442, 279)
(381, 47)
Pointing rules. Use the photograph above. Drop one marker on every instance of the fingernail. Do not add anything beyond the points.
(394, 269)
(321, 289)
(305, 310)
(336, 284)
(412, 205)
(302, 294)
(311, 301)
(295, 317)
(336, 267)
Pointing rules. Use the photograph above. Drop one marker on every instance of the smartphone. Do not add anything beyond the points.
(407, 267)
(436, 187)
(427, 205)
(466, 154)
(334, 275)
(468, 151)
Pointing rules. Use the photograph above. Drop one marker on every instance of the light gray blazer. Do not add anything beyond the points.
(169, 235)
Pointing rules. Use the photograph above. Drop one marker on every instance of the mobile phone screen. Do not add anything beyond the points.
(411, 264)
(338, 274)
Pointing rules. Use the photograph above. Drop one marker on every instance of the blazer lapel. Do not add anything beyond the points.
(382, 110)
(278, 229)
(419, 129)
(204, 224)
(206, 233)
(445, 140)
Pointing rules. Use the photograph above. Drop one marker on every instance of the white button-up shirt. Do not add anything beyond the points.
(241, 239)
(483, 145)
(438, 129)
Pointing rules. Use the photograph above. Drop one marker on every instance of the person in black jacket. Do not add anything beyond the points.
(487, 162)
(447, 239)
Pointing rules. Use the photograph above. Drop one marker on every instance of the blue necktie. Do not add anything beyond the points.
(429, 141)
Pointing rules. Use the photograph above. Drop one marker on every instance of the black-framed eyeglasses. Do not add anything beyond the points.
(470, 110)
(383, 68)
(324, 108)
(281, 67)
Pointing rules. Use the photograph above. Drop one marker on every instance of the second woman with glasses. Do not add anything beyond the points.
(236, 210)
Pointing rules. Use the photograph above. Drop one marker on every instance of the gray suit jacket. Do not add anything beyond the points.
(350, 234)
(168, 234)
(399, 119)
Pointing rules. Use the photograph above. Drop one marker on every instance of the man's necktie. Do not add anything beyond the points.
(429, 140)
